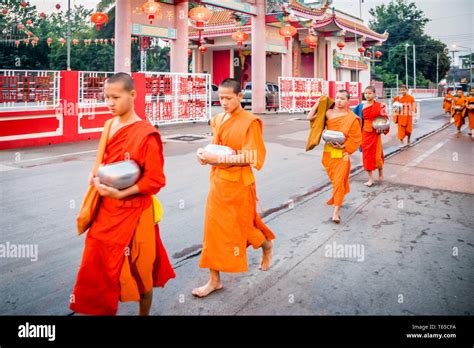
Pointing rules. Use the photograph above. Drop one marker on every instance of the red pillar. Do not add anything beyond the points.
(69, 96)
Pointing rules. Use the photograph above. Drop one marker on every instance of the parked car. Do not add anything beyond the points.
(214, 95)
(271, 95)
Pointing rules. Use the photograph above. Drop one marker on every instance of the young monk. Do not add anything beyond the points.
(405, 115)
(123, 257)
(336, 157)
(458, 109)
(470, 111)
(232, 222)
(448, 101)
(372, 151)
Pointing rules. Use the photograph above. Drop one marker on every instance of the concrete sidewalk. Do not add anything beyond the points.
(407, 248)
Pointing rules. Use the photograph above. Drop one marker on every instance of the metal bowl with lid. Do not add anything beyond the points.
(119, 175)
(333, 137)
(381, 123)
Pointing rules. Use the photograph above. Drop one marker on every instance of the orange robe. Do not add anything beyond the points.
(405, 117)
(232, 222)
(339, 168)
(448, 102)
(459, 114)
(372, 151)
(470, 113)
(123, 255)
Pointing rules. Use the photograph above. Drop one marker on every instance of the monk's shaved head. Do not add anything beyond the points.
(348, 95)
(123, 78)
(232, 83)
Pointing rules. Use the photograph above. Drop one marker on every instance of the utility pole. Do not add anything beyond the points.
(437, 69)
(69, 35)
(406, 63)
(414, 67)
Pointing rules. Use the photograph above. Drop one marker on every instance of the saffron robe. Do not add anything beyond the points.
(123, 255)
(470, 113)
(372, 151)
(232, 222)
(405, 117)
(338, 168)
(459, 114)
(448, 102)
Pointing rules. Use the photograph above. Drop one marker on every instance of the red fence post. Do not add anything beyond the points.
(69, 97)
(140, 87)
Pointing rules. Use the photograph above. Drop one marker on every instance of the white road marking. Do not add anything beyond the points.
(4, 168)
(421, 158)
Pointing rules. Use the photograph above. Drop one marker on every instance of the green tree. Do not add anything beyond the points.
(406, 25)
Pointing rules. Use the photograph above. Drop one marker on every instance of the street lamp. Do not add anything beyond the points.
(470, 59)
(406, 63)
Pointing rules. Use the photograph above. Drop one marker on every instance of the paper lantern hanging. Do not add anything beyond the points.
(378, 54)
(311, 41)
(4, 11)
(96, 41)
(239, 37)
(75, 42)
(99, 19)
(112, 40)
(200, 15)
(29, 33)
(368, 54)
(34, 42)
(202, 49)
(42, 15)
(151, 8)
(106, 41)
(29, 23)
(20, 26)
(17, 43)
(341, 45)
(190, 52)
(24, 4)
(58, 7)
(287, 31)
(26, 41)
(361, 50)
(49, 41)
(62, 41)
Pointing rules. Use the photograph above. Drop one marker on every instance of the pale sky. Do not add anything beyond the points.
(452, 21)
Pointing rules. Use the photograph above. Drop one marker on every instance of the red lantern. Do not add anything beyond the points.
(4, 11)
(20, 26)
(17, 43)
(96, 41)
(106, 41)
(287, 32)
(29, 22)
(99, 18)
(101, 41)
(58, 7)
(311, 41)
(75, 42)
(239, 37)
(29, 33)
(151, 8)
(341, 45)
(62, 41)
(200, 15)
(369, 54)
(361, 50)
(378, 54)
(203, 49)
(26, 41)
(190, 52)
(42, 15)
(112, 40)
(49, 41)
(34, 42)
(24, 4)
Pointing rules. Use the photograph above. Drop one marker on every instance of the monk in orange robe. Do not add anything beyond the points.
(448, 101)
(470, 111)
(124, 257)
(336, 157)
(232, 222)
(458, 110)
(404, 116)
(372, 151)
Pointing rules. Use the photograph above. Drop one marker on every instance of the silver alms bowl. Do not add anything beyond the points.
(380, 123)
(219, 150)
(397, 106)
(331, 136)
(119, 175)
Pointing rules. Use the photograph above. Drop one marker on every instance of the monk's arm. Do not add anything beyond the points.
(153, 178)
(312, 112)
(354, 138)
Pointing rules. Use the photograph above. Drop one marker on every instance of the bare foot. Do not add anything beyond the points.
(380, 178)
(266, 260)
(336, 218)
(369, 183)
(205, 290)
